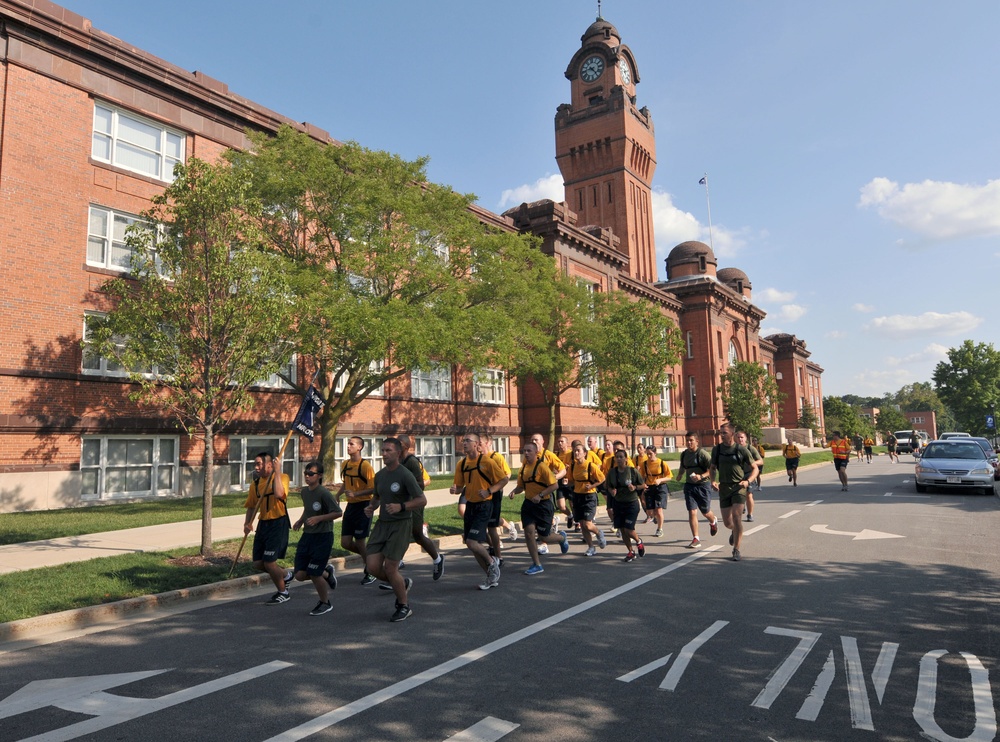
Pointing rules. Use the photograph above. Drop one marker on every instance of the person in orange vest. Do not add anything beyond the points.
(841, 449)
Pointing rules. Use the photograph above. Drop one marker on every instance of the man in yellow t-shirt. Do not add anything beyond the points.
(841, 449)
(655, 475)
(358, 485)
(792, 454)
(269, 494)
(869, 443)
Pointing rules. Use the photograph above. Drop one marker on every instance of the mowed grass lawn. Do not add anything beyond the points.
(39, 591)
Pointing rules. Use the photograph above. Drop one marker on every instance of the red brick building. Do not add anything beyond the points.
(90, 128)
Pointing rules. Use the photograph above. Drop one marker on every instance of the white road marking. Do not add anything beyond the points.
(923, 706)
(684, 658)
(41, 693)
(755, 529)
(863, 535)
(883, 667)
(645, 669)
(338, 715)
(811, 707)
(857, 691)
(789, 514)
(489, 729)
(779, 679)
(814, 502)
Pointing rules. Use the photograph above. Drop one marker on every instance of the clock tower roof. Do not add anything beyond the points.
(600, 28)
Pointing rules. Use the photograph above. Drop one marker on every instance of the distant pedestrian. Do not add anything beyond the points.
(890, 447)
(858, 446)
(694, 471)
(758, 459)
(869, 443)
(792, 455)
(735, 469)
(538, 484)
(914, 443)
(312, 555)
(841, 450)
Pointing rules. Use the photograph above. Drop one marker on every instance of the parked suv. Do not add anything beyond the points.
(903, 440)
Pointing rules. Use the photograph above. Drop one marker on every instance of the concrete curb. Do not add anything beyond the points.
(83, 618)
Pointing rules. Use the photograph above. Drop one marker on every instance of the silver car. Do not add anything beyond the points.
(954, 463)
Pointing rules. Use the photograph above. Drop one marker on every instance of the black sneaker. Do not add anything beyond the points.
(730, 539)
(630, 557)
(320, 609)
(384, 586)
(641, 548)
(402, 613)
(278, 598)
(408, 583)
(368, 580)
(439, 567)
(289, 574)
(331, 577)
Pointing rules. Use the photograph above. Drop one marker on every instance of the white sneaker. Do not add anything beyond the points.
(543, 549)
(513, 532)
(590, 552)
(602, 540)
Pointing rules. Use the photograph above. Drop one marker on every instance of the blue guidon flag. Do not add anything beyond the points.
(305, 420)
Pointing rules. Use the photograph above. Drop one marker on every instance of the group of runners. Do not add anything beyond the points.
(569, 482)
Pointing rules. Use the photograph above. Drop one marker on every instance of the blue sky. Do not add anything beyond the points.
(852, 148)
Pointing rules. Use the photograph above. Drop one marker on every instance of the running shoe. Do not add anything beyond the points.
(320, 609)
(278, 598)
(630, 557)
(713, 527)
(563, 545)
(368, 580)
(408, 583)
(789, 477)
(402, 613)
(730, 539)
(534, 569)
(602, 540)
(749, 518)
(736, 555)
(487, 585)
(590, 552)
(695, 543)
(384, 586)
(543, 549)
(513, 532)
(493, 573)
(439, 567)
(658, 533)
(289, 574)
(331, 577)
(641, 548)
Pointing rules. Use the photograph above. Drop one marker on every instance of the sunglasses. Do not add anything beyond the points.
(311, 473)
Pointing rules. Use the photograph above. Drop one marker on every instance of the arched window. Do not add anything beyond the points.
(734, 356)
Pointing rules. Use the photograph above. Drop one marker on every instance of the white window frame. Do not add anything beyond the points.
(665, 405)
(96, 466)
(243, 449)
(436, 453)
(692, 398)
(435, 245)
(372, 452)
(274, 381)
(109, 142)
(489, 386)
(689, 339)
(734, 354)
(431, 384)
(105, 366)
(375, 367)
(109, 241)
(588, 391)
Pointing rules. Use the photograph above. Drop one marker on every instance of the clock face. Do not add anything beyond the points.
(626, 74)
(592, 68)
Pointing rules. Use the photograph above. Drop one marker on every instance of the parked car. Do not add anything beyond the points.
(991, 454)
(960, 464)
(947, 436)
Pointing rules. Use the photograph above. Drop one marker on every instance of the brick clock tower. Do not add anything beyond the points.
(605, 146)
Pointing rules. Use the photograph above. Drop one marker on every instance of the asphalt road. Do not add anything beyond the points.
(866, 615)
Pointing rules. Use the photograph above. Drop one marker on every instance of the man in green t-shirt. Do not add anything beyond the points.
(693, 471)
(736, 469)
(319, 509)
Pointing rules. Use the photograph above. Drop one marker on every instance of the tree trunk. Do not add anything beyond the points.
(552, 422)
(208, 437)
(328, 422)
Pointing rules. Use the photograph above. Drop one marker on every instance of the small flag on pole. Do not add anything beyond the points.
(305, 420)
(703, 181)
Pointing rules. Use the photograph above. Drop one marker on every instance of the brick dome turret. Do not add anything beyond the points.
(691, 258)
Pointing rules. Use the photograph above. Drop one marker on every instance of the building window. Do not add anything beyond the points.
(375, 367)
(588, 390)
(501, 444)
(690, 344)
(702, 264)
(432, 383)
(665, 398)
(372, 452)
(117, 466)
(274, 381)
(98, 365)
(734, 355)
(437, 454)
(488, 386)
(106, 246)
(242, 450)
(917, 420)
(693, 397)
(134, 143)
(799, 370)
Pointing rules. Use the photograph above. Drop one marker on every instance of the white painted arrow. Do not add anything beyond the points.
(864, 535)
(41, 693)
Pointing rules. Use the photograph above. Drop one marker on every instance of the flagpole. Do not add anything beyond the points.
(708, 201)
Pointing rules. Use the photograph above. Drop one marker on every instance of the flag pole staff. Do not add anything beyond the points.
(708, 201)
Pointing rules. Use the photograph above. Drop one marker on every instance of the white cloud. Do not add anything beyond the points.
(932, 353)
(878, 380)
(859, 307)
(766, 331)
(936, 210)
(790, 312)
(954, 323)
(551, 187)
(772, 296)
(837, 334)
(672, 226)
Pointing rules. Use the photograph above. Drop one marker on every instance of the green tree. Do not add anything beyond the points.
(393, 273)
(921, 396)
(749, 394)
(969, 384)
(631, 362)
(841, 416)
(204, 314)
(808, 419)
(558, 329)
(890, 419)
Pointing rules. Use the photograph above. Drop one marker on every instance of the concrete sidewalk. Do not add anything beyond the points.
(34, 554)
